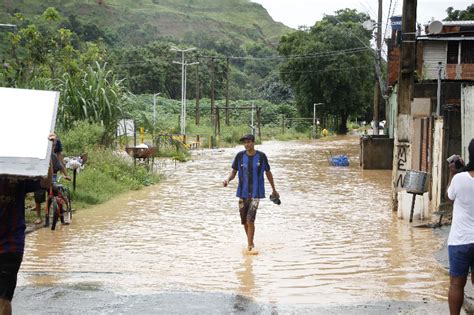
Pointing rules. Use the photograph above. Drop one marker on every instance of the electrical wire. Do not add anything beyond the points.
(332, 53)
(327, 70)
(302, 56)
(388, 18)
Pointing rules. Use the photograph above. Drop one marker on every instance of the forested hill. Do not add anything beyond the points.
(138, 22)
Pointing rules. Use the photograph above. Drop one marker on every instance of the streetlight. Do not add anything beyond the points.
(314, 118)
(185, 93)
(183, 84)
(154, 111)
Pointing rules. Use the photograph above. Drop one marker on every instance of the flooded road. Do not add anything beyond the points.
(334, 238)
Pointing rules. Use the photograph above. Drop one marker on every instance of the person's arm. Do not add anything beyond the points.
(45, 182)
(230, 177)
(450, 195)
(63, 170)
(272, 183)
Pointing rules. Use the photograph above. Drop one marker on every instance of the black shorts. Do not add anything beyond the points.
(9, 266)
(40, 196)
(248, 210)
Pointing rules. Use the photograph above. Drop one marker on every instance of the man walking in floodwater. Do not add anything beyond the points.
(250, 164)
(461, 235)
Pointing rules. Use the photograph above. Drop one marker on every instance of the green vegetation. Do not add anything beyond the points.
(50, 42)
(107, 175)
(94, 95)
(109, 57)
(460, 15)
(138, 22)
(337, 70)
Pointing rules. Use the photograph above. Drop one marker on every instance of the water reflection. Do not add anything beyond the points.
(334, 239)
(246, 277)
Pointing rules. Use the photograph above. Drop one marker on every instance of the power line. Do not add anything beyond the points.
(327, 70)
(302, 56)
(388, 17)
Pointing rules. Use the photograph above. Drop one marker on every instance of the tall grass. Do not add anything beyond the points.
(94, 95)
(107, 172)
(106, 175)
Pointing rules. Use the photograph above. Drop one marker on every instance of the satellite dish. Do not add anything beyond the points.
(369, 25)
(435, 27)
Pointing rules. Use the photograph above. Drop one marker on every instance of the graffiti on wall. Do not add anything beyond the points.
(401, 160)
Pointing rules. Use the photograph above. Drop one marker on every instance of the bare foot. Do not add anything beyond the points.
(250, 251)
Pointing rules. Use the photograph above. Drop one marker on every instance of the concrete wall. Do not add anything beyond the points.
(376, 152)
(467, 119)
(421, 209)
(437, 169)
(460, 71)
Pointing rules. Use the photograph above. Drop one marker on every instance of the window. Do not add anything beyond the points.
(467, 51)
(453, 52)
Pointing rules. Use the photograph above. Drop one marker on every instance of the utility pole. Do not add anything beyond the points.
(377, 92)
(227, 94)
(406, 79)
(183, 85)
(213, 115)
(198, 90)
(259, 115)
(438, 91)
(252, 126)
(314, 119)
(154, 114)
(407, 66)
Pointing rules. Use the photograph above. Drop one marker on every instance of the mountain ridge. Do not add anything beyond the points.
(138, 22)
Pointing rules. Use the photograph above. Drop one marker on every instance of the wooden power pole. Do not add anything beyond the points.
(227, 94)
(407, 66)
(213, 114)
(377, 91)
(406, 80)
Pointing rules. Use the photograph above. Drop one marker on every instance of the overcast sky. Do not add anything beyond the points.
(306, 12)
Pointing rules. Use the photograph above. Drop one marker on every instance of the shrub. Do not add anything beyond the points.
(107, 174)
(81, 137)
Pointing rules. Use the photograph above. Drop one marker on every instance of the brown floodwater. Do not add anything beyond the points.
(334, 238)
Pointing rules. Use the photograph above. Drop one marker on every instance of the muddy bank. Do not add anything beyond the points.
(90, 299)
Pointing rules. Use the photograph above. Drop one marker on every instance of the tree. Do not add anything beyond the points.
(460, 15)
(330, 63)
(149, 69)
(275, 91)
(40, 49)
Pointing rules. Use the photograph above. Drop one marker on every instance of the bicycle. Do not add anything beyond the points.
(58, 205)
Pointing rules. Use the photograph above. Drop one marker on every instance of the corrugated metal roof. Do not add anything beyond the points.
(460, 23)
(458, 38)
(454, 23)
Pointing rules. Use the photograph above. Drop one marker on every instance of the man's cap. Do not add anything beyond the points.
(247, 137)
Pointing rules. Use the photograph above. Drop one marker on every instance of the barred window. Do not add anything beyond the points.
(467, 51)
(453, 52)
